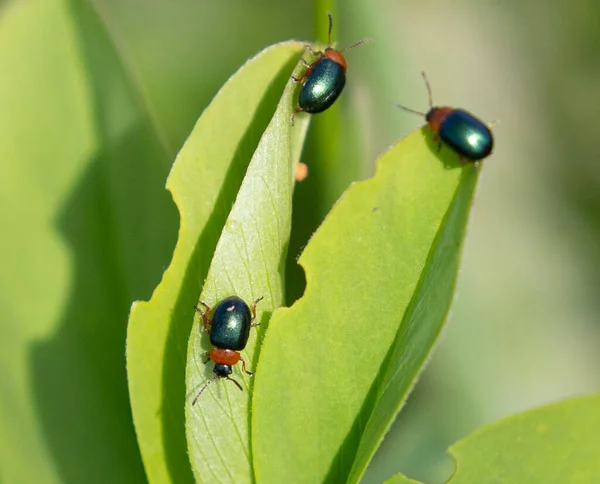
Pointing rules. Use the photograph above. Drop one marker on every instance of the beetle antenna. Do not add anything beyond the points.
(356, 44)
(234, 381)
(428, 88)
(330, 27)
(216, 377)
(410, 110)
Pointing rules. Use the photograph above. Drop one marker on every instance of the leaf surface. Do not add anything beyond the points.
(336, 366)
(204, 182)
(249, 262)
(84, 162)
(554, 443)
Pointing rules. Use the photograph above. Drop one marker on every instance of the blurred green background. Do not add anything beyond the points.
(97, 97)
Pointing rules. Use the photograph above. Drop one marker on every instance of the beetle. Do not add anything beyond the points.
(324, 78)
(228, 330)
(463, 132)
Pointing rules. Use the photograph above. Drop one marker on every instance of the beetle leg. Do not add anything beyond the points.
(293, 116)
(304, 75)
(205, 317)
(244, 367)
(317, 53)
(253, 309)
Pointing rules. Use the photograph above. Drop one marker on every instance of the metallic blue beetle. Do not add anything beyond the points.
(324, 79)
(228, 329)
(469, 137)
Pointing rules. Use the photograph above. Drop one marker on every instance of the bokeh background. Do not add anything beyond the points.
(96, 92)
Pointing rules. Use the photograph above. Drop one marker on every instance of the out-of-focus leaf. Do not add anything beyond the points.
(555, 443)
(40, 162)
(400, 479)
(86, 167)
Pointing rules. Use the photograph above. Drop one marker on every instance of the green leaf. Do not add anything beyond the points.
(380, 277)
(36, 176)
(555, 443)
(85, 167)
(204, 182)
(248, 262)
(421, 324)
(401, 479)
